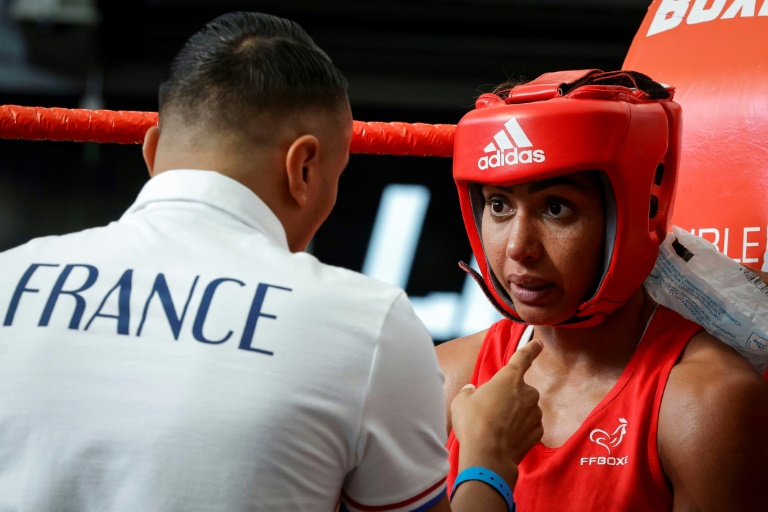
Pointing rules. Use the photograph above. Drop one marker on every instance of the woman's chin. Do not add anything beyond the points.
(542, 316)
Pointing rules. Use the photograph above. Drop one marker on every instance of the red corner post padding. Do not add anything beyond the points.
(716, 55)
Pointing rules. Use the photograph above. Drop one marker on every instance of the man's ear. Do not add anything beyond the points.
(301, 166)
(149, 148)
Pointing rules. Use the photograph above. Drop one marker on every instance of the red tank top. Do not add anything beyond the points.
(611, 463)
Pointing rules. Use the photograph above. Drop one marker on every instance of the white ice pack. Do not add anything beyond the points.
(705, 286)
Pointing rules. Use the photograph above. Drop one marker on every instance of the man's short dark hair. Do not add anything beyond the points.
(241, 64)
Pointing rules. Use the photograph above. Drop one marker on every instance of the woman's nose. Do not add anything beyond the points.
(523, 241)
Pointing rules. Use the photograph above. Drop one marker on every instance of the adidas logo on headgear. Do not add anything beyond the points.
(500, 149)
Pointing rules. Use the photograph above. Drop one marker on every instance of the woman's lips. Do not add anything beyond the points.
(529, 290)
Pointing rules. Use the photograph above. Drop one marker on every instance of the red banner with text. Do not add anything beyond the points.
(715, 52)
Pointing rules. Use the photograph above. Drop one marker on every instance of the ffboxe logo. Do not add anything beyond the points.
(607, 440)
(500, 150)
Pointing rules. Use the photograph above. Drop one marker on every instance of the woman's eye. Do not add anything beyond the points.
(497, 205)
(557, 209)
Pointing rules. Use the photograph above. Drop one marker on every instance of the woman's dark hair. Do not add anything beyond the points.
(244, 63)
(624, 78)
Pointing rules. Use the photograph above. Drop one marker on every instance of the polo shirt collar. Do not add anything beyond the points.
(215, 190)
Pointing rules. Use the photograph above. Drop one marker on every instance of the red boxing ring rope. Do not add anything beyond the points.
(126, 127)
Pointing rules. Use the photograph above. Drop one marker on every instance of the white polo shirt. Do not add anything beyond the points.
(183, 359)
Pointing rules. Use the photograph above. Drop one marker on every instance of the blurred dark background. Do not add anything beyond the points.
(413, 61)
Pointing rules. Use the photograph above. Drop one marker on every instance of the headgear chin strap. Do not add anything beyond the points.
(620, 123)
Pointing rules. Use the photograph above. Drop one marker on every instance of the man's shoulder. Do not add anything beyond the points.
(343, 281)
(39, 245)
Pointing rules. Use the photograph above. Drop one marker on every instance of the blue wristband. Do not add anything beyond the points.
(490, 478)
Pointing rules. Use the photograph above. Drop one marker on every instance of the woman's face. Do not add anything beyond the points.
(544, 243)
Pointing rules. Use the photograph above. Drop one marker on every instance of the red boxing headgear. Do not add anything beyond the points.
(621, 123)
